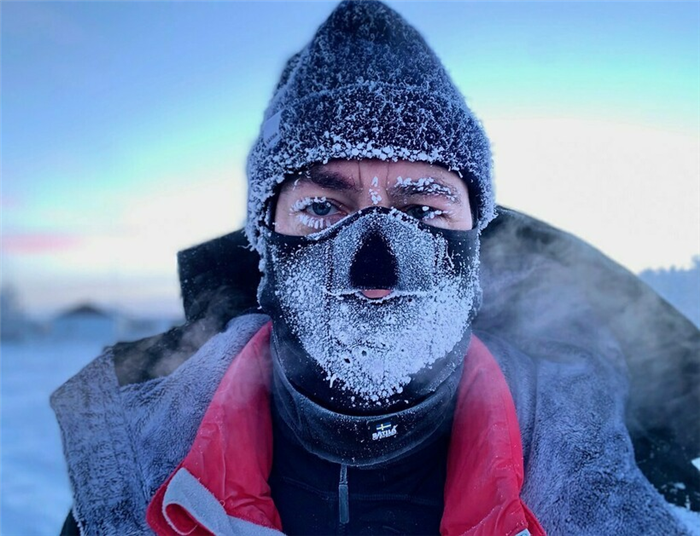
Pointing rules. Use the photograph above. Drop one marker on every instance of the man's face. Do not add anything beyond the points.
(381, 298)
(329, 192)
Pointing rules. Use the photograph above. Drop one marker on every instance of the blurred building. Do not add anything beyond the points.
(91, 322)
(87, 322)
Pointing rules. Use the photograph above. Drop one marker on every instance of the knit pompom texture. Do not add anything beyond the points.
(367, 86)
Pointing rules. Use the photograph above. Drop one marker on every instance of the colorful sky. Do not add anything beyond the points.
(125, 127)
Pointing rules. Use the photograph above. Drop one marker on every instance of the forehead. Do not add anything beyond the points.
(361, 171)
(358, 175)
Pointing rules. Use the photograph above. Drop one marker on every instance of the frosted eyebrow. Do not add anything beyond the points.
(329, 180)
(426, 186)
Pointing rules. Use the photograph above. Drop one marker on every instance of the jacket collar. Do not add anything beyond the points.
(222, 489)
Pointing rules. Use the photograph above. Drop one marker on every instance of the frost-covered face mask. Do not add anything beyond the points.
(359, 355)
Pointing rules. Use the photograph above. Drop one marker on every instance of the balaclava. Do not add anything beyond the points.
(367, 86)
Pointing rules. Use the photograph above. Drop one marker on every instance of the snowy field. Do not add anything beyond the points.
(35, 494)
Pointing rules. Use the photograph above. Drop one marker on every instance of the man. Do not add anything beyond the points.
(369, 404)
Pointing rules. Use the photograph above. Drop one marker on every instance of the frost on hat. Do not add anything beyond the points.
(366, 86)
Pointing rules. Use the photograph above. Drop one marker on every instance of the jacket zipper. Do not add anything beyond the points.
(343, 500)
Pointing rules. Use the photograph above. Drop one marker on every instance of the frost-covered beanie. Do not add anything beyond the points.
(366, 86)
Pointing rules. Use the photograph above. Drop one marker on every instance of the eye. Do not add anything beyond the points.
(420, 212)
(316, 212)
(322, 208)
(426, 213)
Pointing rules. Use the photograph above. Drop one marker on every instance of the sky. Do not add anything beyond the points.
(125, 127)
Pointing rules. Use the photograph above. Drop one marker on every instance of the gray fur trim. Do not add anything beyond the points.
(99, 451)
(366, 86)
(580, 473)
(103, 426)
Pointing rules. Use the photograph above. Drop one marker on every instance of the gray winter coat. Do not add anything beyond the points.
(574, 334)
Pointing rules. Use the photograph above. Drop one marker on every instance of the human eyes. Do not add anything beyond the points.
(315, 212)
(322, 208)
(425, 212)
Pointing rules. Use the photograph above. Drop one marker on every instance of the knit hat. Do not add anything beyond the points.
(366, 86)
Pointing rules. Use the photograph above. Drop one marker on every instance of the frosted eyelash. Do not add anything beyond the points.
(303, 204)
(434, 213)
(312, 222)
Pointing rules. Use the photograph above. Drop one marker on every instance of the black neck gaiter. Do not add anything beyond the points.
(338, 351)
(361, 440)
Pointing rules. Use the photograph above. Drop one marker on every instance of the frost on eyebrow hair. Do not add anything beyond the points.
(426, 186)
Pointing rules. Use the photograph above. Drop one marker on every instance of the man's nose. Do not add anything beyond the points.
(374, 265)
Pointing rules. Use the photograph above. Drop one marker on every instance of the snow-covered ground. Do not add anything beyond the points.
(35, 494)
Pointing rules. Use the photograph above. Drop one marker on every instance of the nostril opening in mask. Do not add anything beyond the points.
(374, 265)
